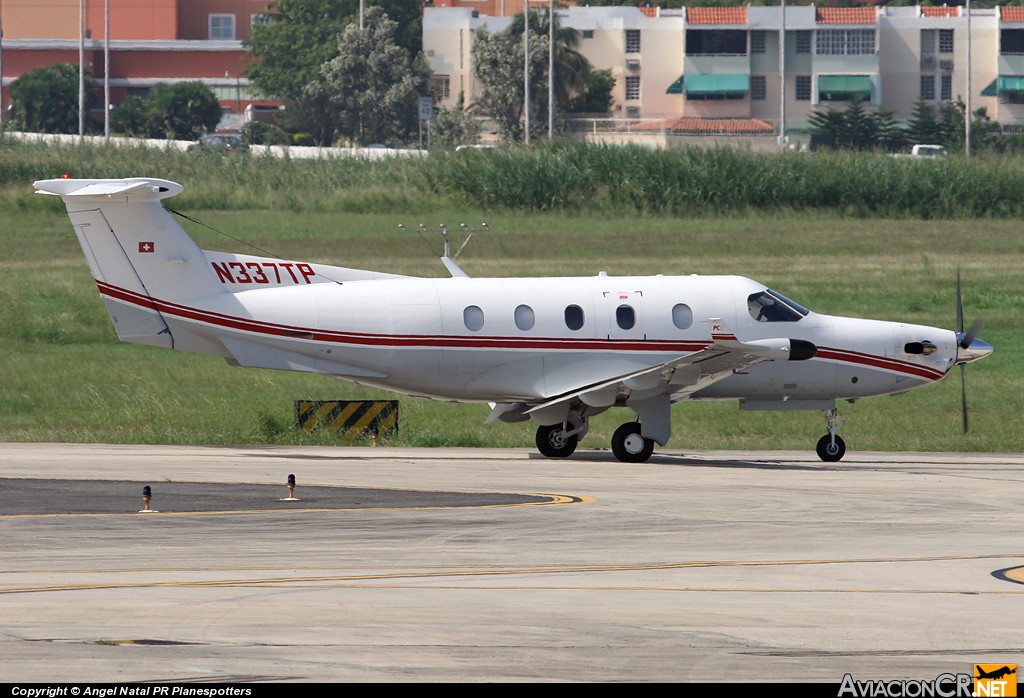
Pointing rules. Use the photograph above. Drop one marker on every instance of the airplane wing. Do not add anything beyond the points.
(687, 374)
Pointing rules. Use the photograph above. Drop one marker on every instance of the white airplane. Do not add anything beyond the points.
(554, 350)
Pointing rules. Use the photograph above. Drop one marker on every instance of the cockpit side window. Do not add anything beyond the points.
(769, 306)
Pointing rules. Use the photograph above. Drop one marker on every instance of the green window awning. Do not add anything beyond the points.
(844, 86)
(1004, 84)
(733, 83)
(675, 88)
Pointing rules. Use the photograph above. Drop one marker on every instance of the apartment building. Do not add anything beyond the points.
(740, 63)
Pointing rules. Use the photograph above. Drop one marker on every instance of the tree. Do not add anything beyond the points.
(453, 127)
(924, 126)
(46, 99)
(130, 116)
(596, 97)
(288, 52)
(370, 90)
(181, 110)
(498, 62)
(856, 128)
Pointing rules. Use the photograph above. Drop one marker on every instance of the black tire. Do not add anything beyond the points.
(629, 446)
(552, 443)
(831, 453)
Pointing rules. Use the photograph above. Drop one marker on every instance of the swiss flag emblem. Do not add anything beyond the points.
(146, 247)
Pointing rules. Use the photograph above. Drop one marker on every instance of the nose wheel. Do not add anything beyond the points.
(831, 447)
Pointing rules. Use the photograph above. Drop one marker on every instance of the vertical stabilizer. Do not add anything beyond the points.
(140, 257)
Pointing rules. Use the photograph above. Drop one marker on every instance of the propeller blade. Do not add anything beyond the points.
(963, 395)
(959, 305)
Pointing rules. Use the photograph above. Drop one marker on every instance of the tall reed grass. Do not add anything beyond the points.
(687, 182)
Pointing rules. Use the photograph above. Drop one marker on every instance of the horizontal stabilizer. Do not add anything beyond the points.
(138, 187)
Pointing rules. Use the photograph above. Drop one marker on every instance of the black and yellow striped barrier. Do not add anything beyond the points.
(352, 418)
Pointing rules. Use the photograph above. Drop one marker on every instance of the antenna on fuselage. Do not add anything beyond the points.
(448, 259)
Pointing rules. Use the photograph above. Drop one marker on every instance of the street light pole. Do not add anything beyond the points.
(81, 68)
(551, 69)
(967, 106)
(1, 70)
(782, 80)
(526, 71)
(106, 68)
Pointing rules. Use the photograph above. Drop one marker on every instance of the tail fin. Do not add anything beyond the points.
(138, 254)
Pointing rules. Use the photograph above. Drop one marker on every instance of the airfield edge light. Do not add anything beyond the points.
(291, 490)
(147, 494)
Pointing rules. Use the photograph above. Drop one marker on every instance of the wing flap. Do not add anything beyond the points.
(685, 375)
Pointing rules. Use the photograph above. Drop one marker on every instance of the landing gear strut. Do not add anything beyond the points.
(629, 445)
(831, 447)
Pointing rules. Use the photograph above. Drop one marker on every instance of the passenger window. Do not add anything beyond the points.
(473, 316)
(524, 317)
(574, 317)
(682, 316)
(625, 317)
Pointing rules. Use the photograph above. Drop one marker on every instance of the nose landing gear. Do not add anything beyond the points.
(831, 447)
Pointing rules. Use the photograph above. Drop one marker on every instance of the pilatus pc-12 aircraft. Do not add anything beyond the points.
(554, 350)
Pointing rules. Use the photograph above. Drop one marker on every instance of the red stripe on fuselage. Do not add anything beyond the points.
(233, 322)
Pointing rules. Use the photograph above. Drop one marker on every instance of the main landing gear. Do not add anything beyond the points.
(628, 443)
(831, 447)
(555, 441)
(629, 446)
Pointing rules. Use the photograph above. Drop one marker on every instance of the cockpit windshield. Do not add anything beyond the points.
(769, 306)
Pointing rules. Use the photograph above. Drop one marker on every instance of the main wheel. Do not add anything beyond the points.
(552, 442)
(629, 446)
(831, 452)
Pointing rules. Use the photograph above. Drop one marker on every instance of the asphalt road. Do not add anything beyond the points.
(473, 565)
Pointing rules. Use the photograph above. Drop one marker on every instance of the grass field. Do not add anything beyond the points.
(67, 378)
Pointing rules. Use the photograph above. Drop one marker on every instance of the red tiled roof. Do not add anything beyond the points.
(716, 15)
(1011, 13)
(845, 15)
(650, 11)
(944, 11)
(697, 124)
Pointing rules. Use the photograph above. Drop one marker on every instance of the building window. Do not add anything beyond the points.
(803, 88)
(441, 86)
(632, 87)
(757, 41)
(632, 41)
(716, 42)
(927, 42)
(803, 41)
(947, 87)
(260, 19)
(574, 317)
(473, 317)
(524, 317)
(928, 87)
(682, 316)
(1011, 41)
(758, 88)
(845, 42)
(945, 41)
(588, 33)
(222, 26)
